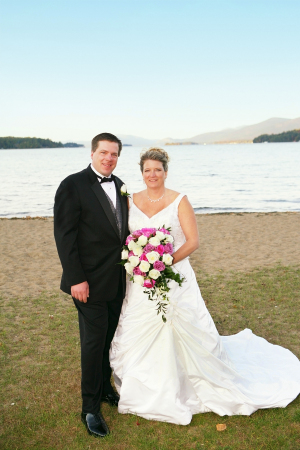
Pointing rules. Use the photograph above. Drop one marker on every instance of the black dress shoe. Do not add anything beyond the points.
(95, 424)
(112, 399)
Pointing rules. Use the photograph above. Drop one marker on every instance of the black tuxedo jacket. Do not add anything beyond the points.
(87, 236)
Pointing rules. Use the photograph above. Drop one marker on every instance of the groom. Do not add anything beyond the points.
(90, 228)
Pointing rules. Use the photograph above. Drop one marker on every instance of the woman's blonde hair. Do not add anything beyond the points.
(155, 154)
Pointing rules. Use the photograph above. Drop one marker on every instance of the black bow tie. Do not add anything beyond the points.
(104, 179)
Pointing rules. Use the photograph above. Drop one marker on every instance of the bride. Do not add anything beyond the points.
(170, 371)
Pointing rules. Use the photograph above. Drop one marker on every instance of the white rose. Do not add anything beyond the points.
(134, 260)
(169, 238)
(124, 254)
(139, 279)
(160, 235)
(152, 257)
(131, 245)
(142, 240)
(124, 189)
(154, 274)
(167, 259)
(137, 250)
(154, 241)
(129, 268)
(144, 266)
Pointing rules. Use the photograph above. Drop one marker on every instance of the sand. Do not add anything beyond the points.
(29, 262)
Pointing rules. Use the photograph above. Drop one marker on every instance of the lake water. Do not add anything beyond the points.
(216, 178)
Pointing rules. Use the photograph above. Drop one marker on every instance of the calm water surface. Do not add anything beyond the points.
(216, 178)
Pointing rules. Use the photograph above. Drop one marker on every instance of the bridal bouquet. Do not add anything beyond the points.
(147, 257)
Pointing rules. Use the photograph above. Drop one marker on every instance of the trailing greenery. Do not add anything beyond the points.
(288, 136)
(10, 142)
(40, 379)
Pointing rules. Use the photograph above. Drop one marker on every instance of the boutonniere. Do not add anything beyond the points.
(124, 191)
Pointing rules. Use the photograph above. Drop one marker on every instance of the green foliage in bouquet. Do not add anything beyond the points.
(159, 293)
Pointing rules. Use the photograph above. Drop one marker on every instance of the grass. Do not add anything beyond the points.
(40, 384)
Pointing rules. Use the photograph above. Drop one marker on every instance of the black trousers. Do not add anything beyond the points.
(97, 325)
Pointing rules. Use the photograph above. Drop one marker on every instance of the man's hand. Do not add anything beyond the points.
(81, 291)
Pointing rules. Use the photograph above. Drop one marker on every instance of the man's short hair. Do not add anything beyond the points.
(106, 137)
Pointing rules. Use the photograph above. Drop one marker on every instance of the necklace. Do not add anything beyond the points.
(154, 201)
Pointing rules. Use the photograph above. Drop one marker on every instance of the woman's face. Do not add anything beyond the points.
(154, 174)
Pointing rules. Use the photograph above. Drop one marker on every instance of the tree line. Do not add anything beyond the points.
(287, 136)
(10, 142)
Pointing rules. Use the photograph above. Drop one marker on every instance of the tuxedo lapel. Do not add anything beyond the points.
(123, 201)
(101, 196)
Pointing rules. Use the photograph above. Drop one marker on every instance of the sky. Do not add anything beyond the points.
(71, 69)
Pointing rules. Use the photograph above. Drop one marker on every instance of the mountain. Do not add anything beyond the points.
(240, 134)
(249, 132)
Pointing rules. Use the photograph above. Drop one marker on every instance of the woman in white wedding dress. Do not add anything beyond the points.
(170, 371)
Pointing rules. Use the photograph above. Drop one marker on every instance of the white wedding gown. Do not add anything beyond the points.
(170, 371)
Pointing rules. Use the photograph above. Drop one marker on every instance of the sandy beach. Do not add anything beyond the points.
(29, 262)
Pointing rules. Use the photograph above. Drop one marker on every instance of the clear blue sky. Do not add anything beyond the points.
(151, 68)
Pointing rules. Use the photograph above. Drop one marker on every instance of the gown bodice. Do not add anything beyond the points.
(168, 217)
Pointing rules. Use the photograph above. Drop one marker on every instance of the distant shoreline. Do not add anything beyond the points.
(16, 143)
(232, 213)
(167, 145)
(42, 148)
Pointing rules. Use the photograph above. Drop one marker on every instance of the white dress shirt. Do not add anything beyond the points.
(109, 188)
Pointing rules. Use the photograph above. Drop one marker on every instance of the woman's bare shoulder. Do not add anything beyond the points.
(138, 196)
(172, 195)
(185, 206)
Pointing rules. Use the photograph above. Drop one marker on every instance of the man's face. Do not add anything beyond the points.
(105, 157)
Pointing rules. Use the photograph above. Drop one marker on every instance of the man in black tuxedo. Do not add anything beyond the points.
(90, 228)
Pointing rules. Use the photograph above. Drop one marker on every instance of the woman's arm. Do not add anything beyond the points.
(189, 227)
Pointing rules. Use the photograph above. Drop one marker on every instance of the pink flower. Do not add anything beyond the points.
(149, 283)
(129, 238)
(137, 271)
(159, 265)
(163, 230)
(169, 248)
(143, 257)
(137, 233)
(148, 231)
(149, 248)
(130, 254)
(160, 249)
